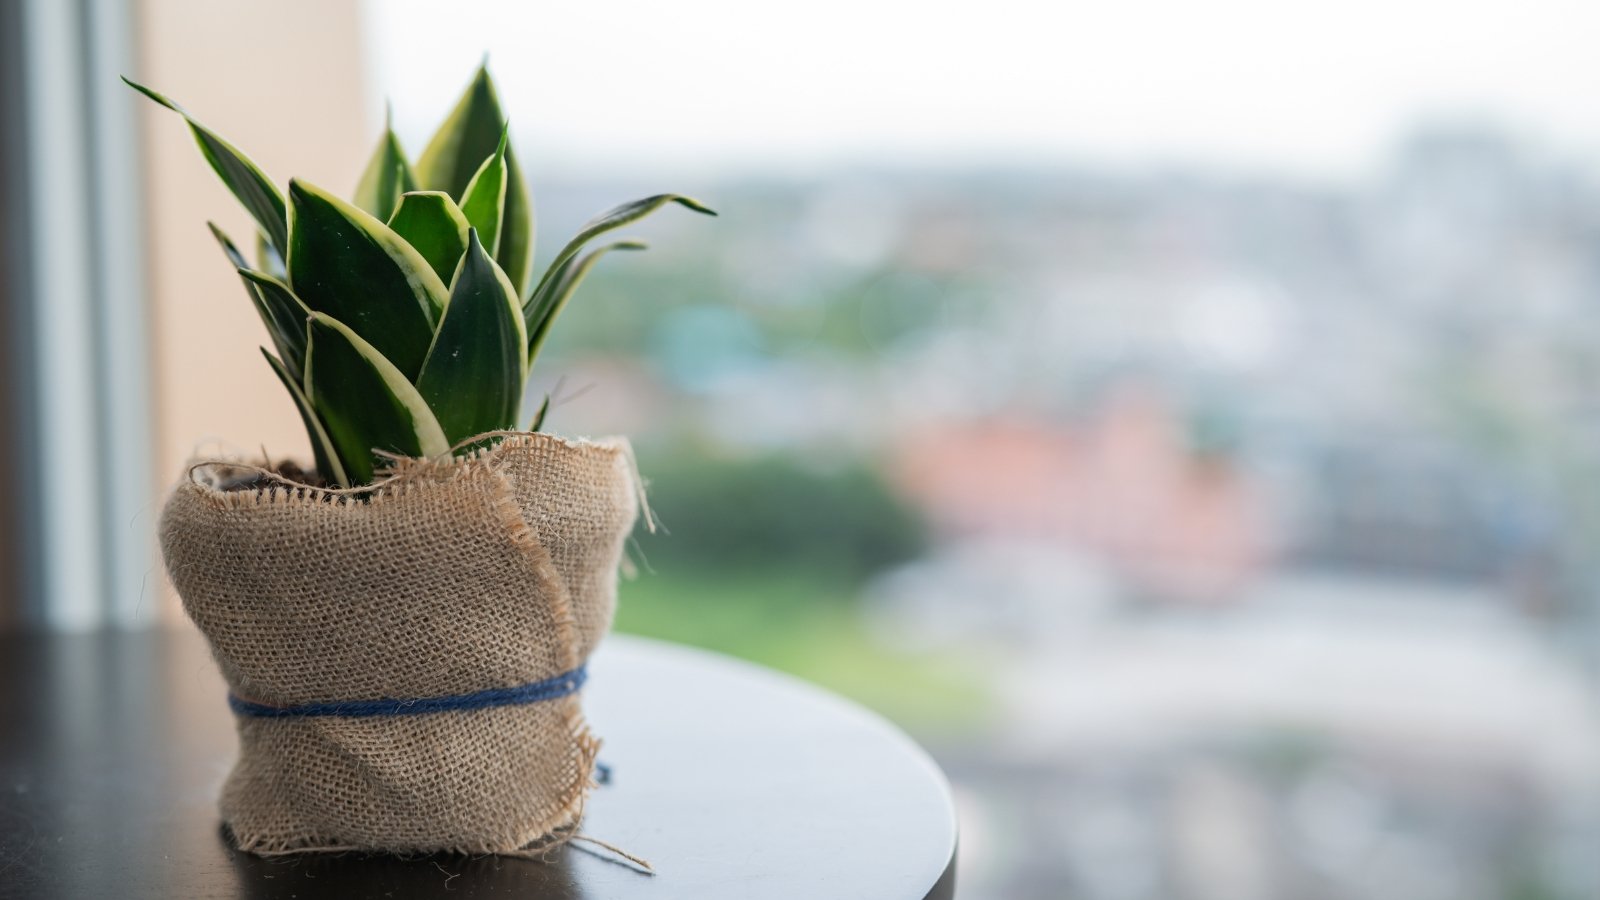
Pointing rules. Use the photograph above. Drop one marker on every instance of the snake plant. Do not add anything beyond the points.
(405, 320)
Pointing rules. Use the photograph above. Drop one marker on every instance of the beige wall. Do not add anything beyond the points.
(285, 82)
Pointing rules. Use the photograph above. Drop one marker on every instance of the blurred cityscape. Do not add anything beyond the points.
(1223, 537)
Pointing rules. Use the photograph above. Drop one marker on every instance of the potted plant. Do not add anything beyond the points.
(404, 624)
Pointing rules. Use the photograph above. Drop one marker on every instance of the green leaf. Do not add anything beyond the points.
(484, 201)
(268, 259)
(473, 377)
(515, 255)
(366, 403)
(345, 263)
(540, 313)
(538, 417)
(610, 220)
(321, 446)
(242, 176)
(468, 136)
(228, 248)
(282, 314)
(387, 176)
(432, 223)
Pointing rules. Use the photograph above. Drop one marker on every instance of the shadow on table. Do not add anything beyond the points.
(351, 875)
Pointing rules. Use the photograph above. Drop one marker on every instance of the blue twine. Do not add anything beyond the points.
(533, 692)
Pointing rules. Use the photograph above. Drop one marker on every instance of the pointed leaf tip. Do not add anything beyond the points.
(539, 416)
(388, 175)
(244, 179)
(696, 205)
(609, 220)
(160, 98)
(474, 130)
(485, 199)
(228, 247)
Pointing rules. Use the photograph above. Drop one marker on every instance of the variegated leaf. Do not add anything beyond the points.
(365, 403)
(346, 263)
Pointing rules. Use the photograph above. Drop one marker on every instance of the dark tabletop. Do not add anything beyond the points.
(733, 781)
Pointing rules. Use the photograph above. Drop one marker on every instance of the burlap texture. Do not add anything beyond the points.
(452, 577)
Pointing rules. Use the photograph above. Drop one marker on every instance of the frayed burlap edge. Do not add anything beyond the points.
(393, 476)
(538, 841)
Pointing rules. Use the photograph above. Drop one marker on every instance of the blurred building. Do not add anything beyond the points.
(1126, 488)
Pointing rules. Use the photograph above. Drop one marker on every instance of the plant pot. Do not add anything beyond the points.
(405, 662)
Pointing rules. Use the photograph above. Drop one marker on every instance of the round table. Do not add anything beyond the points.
(733, 781)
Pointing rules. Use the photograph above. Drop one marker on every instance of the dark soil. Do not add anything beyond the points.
(253, 480)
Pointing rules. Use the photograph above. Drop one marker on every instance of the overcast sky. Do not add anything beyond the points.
(1319, 89)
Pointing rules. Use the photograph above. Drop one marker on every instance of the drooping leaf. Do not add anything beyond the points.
(473, 377)
(433, 224)
(243, 177)
(322, 450)
(387, 176)
(346, 263)
(613, 219)
(484, 201)
(468, 136)
(284, 315)
(541, 310)
(365, 402)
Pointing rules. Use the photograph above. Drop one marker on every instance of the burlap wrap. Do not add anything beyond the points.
(453, 577)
